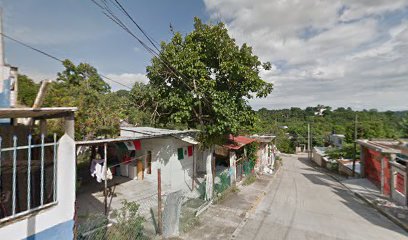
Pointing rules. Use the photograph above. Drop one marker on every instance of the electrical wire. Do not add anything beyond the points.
(56, 58)
(107, 11)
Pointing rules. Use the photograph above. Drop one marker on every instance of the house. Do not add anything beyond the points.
(266, 151)
(134, 159)
(384, 163)
(37, 183)
(336, 140)
(231, 158)
(175, 152)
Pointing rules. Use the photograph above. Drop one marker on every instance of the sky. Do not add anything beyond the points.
(348, 53)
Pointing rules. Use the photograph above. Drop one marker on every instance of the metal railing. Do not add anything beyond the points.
(19, 162)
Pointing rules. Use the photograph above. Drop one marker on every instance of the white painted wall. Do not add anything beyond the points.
(176, 174)
(63, 211)
(233, 166)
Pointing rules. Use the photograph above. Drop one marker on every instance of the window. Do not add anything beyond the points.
(27, 174)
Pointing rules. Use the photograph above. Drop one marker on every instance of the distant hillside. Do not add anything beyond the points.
(324, 120)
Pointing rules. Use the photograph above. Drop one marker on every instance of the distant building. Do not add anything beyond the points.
(336, 140)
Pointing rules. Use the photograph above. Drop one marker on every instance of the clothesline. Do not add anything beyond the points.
(125, 162)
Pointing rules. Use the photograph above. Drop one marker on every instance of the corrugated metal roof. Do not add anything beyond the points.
(150, 131)
(238, 142)
(263, 138)
(35, 112)
(110, 140)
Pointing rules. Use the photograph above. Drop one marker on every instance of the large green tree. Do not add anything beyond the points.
(99, 110)
(204, 80)
(27, 90)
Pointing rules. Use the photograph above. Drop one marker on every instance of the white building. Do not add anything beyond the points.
(336, 140)
(175, 152)
(37, 182)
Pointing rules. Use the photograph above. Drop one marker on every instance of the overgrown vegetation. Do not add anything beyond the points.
(346, 152)
(251, 178)
(223, 184)
(128, 224)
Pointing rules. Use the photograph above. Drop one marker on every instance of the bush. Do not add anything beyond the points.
(224, 183)
(128, 225)
(249, 180)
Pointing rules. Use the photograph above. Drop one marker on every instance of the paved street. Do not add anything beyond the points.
(303, 203)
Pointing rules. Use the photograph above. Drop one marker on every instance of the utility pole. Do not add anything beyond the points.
(159, 204)
(355, 146)
(1, 39)
(308, 141)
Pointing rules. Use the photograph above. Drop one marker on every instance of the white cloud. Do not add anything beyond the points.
(334, 52)
(127, 79)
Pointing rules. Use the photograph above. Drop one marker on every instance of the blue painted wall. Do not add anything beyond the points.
(62, 231)
(5, 99)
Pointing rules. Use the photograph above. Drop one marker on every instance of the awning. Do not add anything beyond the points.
(238, 142)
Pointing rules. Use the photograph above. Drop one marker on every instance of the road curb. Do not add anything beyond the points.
(259, 198)
(366, 200)
(386, 214)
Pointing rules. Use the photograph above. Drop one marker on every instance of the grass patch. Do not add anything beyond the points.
(220, 197)
(249, 180)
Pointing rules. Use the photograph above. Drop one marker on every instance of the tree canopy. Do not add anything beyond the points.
(371, 124)
(27, 90)
(98, 108)
(204, 79)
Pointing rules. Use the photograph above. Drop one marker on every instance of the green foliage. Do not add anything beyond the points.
(129, 222)
(371, 124)
(99, 110)
(27, 90)
(218, 76)
(252, 150)
(346, 152)
(128, 225)
(251, 178)
(404, 125)
(223, 184)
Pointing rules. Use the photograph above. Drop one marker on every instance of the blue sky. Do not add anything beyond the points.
(77, 29)
(331, 52)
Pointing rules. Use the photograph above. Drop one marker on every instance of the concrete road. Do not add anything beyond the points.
(303, 203)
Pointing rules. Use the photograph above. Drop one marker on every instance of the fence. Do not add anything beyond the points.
(27, 175)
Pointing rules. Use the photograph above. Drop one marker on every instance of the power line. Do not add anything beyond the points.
(56, 58)
(107, 11)
(32, 48)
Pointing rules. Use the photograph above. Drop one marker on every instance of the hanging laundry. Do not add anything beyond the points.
(98, 170)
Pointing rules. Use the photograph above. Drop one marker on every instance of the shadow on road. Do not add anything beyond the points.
(371, 215)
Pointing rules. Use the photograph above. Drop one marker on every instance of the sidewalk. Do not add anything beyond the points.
(367, 191)
(221, 220)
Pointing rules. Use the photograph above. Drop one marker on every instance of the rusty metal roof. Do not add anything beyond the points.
(52, 112)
